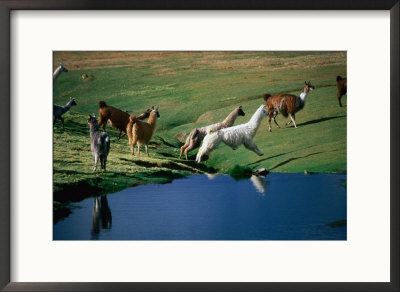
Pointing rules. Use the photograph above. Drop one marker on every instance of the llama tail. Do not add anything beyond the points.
(266, 96)
(210, 142)
(132, 120)
(338, 78)
(102, 104)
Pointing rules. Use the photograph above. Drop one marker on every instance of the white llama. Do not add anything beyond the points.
(234, 136)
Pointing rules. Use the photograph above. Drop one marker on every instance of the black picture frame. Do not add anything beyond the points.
(6, 6)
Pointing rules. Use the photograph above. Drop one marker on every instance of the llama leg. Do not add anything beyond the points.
(288, 123)
(182, 149)
(339, 97)
(276, 123)
(119, 134)
(96, 158)
(269, 123)
(101, 161)
(253, 147)
(147, 150)
(186, 153)
(132, 144)
(62, 121)
(188, 149)
(292, 117)
(102, 123)
(199, 155)
(104, 162)
(138, 149)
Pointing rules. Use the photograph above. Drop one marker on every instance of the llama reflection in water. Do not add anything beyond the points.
(260, 184)
(101, 216)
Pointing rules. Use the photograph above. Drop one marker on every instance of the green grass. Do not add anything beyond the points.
(193, 90)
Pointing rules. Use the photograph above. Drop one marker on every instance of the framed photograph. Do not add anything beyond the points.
(186, 149)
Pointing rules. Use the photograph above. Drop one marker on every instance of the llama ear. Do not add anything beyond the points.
(152, 107)
(240, 106)
(156, 109)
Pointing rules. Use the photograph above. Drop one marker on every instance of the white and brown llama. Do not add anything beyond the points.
(234, 136)
(197, 135)
(286, 104)
(140, 132)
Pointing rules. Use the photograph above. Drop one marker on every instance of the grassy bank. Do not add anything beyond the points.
(191, 90)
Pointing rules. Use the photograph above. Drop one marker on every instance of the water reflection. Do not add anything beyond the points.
(101, 216)
(211, 176)
(260, 184)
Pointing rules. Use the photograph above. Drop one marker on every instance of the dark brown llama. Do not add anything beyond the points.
(118, 119)
(286, 104)
(341, 84)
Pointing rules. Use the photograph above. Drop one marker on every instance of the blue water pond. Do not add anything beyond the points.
(216, 207)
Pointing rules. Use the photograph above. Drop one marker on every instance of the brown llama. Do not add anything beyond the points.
(286, 104)
(341, 84)
(140, 132)
(197, 135)
(118, 119)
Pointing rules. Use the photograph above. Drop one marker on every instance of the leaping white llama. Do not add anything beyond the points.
(234, 136)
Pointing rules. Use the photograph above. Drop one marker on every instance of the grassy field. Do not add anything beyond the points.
(194, 89)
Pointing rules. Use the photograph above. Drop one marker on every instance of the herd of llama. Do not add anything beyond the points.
(140, 131)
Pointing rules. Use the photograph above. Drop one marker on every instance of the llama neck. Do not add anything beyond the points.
(94, 127)
(152, 119)
(230, 119)
(67, 106)
(57, 72)
(303, 95)
(255, 121)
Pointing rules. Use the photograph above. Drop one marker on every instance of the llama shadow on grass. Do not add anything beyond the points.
(320, 120)
(277, 155)
(292, 159)
(264, 159)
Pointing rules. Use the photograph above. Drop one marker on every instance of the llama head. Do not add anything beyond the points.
(92, 120)
(263, 110)
(240, 111)
(62, 68)
(308, 86)
(72, 101)
(155, 111)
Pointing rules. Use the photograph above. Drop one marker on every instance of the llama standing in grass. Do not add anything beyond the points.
(341, 84)
(100, 143)
(140, 132)
(58, 72)
(286, 104)
(58, 110)
(234, 136)
(197, 135)
(118, 119)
